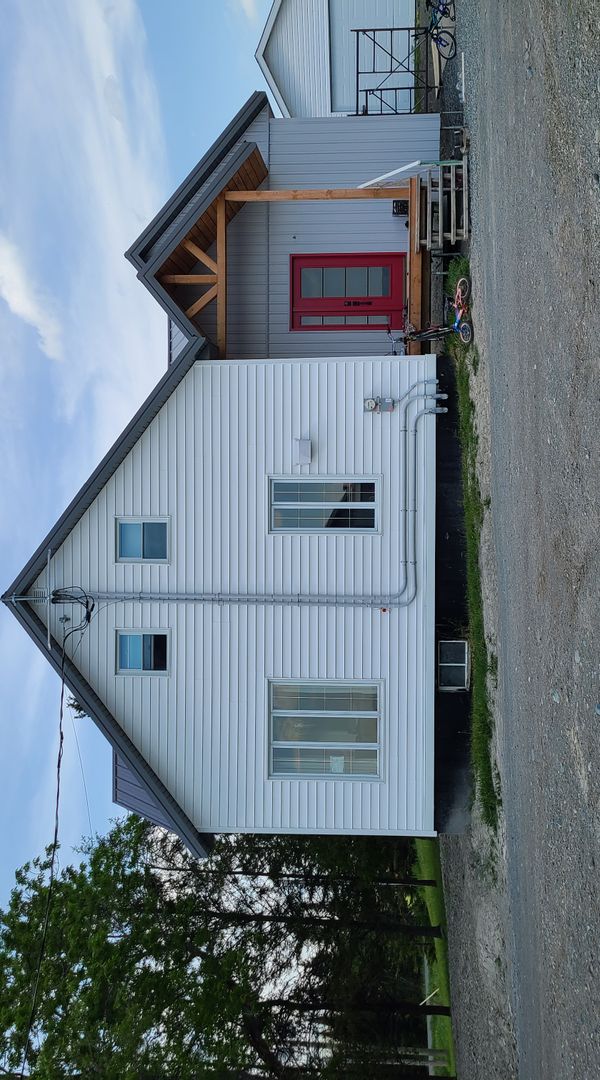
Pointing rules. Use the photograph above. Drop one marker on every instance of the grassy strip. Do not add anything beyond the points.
(428, 866)
(466, 361)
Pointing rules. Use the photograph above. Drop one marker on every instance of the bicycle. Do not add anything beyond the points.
(443, 39)
(461, 324)
(443, 8)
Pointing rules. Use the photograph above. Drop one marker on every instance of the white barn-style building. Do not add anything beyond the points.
(309, 53)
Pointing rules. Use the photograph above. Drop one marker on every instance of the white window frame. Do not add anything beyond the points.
(137, 631)
(375, 777)
(315, 478)
(127, 519)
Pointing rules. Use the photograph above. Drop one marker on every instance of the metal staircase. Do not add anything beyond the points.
(442, 205)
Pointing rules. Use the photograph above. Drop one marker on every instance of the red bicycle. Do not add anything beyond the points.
(461, 323)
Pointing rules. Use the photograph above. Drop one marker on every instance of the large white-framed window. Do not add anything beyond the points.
(142, 539)
(308, 504)
(327, 729)
(142, 652)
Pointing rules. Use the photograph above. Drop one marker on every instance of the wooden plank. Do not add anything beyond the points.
(177, 263)
(429, 209)
(222, 278)
(452, 204)
(415, 262)
(202, 302)
(441, 208)
(189, 279)
(415, 207)
(200, 255)
(317, 194)
(465, 180)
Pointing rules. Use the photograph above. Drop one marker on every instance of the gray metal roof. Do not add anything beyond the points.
(199, 843)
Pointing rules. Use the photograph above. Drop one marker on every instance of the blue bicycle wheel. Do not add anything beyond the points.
(445, 42)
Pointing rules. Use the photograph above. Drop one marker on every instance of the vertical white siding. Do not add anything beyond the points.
(297, 56)
(205, 462)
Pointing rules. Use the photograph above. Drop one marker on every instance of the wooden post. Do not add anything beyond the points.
(221, 278)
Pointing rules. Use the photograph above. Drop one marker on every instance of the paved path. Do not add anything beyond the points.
(533, 109)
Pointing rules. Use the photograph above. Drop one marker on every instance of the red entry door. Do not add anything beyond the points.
(347, 292)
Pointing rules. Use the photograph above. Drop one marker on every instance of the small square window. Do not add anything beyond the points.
(141, 653)
(453, 665)
(144, 541)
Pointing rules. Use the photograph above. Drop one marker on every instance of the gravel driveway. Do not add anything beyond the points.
(524, 911)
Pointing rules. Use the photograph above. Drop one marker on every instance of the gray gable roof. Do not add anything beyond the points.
(170, 810)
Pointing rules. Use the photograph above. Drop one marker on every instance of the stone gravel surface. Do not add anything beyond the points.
(524, 928)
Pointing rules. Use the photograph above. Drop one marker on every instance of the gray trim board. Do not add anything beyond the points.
(199, 843)
(128, 792)
(136, 254)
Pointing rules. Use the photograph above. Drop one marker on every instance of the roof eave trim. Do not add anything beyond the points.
(273, 87)
(109, 464)
(260, 58)
(199, 843)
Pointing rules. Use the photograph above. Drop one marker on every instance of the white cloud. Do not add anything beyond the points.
(27, 301)
(249, 9)
(82, 171)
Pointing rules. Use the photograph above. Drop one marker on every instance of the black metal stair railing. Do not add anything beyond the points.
(393, 70)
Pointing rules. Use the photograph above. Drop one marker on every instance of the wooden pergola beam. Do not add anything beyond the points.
(202, 302)
(217, 279)
(201, 255)
(316, 194)
(189, 279)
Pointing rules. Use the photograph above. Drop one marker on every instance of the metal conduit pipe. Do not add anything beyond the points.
(404, 508)
(304, 599)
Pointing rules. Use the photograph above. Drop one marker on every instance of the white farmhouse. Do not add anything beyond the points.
(253, 562)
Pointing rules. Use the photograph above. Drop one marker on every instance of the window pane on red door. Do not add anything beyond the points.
(334, 281)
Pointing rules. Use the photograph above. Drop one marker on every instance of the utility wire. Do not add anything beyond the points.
(88, 604)
(85, 790)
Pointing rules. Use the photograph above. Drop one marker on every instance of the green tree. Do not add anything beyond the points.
(159, 965)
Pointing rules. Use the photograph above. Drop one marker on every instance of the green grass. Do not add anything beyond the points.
(466, 360)
(428, 866)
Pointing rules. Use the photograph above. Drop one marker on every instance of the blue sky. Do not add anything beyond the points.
(104, 108)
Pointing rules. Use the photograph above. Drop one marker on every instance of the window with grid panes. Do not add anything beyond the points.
(307, 505)
(324, 729)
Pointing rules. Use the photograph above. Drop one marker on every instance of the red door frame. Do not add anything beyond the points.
(391, 305)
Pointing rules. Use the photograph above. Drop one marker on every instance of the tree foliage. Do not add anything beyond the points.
(160, 965)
